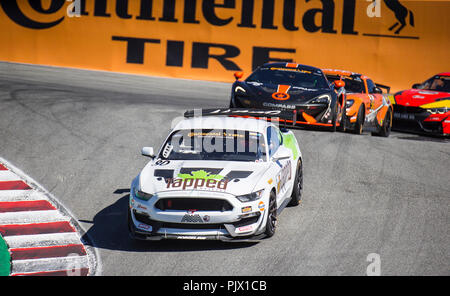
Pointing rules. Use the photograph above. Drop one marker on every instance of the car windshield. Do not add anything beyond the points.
(438, 83)
(213, 144)
(289, 76)
(352, 84)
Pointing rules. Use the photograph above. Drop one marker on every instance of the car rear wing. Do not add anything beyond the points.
(387, 88)
(282, 116)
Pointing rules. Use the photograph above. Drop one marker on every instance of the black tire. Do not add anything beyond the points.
(359, 121)
(130, 225)
(271, 223)
(344, 123)
(296, 196)
(334, 118)
(385, 129)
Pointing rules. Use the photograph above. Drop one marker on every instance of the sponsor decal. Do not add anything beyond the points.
(245, 229)
(146, 12)
(281, 106)
(281, 94)
(244, 111)
(191, 237)
(126, 26)
(284, 69)
(284, 176)
(144, 227)
(161, 162)
(261, 206)
(201, 174)
(246, 209)
(199, 180)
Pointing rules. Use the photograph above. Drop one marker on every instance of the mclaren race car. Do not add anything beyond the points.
(425, 108)
(300, 89)
(217, 177)
(366, 106)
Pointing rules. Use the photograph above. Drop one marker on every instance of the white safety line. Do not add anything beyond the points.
(32, 217)
(20, 195)
(8, 176)
(50, 264)
(42, 240)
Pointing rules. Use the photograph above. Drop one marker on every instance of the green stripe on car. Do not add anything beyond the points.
(290, 142)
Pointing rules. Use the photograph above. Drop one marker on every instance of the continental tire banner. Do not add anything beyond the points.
(395, 42)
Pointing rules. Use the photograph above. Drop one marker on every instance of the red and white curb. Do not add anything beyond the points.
(42, 237)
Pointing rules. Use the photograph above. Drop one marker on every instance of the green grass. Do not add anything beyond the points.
(5, 258)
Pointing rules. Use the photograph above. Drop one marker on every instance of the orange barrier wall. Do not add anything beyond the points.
(210, 39)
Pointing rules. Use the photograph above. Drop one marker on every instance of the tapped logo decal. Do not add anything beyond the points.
(200, 180)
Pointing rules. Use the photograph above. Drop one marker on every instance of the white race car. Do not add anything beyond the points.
(217, 177)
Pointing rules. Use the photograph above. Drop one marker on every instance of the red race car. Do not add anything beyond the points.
(425, 108)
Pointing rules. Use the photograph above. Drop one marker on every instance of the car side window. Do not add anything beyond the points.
(370, 86)
(273, 140)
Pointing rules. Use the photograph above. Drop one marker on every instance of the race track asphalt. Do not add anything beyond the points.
(79, 133)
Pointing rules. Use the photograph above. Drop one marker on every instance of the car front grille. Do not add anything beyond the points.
(192, 203)
(408, 109)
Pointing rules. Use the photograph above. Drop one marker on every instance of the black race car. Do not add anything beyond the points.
(301, 89)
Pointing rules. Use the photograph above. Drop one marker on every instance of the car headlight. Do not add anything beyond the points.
(251, 196)
(239, 90)
(323, 99)
(438, 110)
(349, 103)
(142, 195)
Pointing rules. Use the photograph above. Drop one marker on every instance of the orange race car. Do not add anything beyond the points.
(367, 106)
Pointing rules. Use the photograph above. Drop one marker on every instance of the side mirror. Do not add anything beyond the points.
(339, 83)
(416, 85)
(281, 153)
(148, 151)
(377, 90)
(238, 75)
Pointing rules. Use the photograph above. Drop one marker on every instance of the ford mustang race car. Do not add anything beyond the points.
(301, 89)
(425, 108)
(217, 177)
(366, 106)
